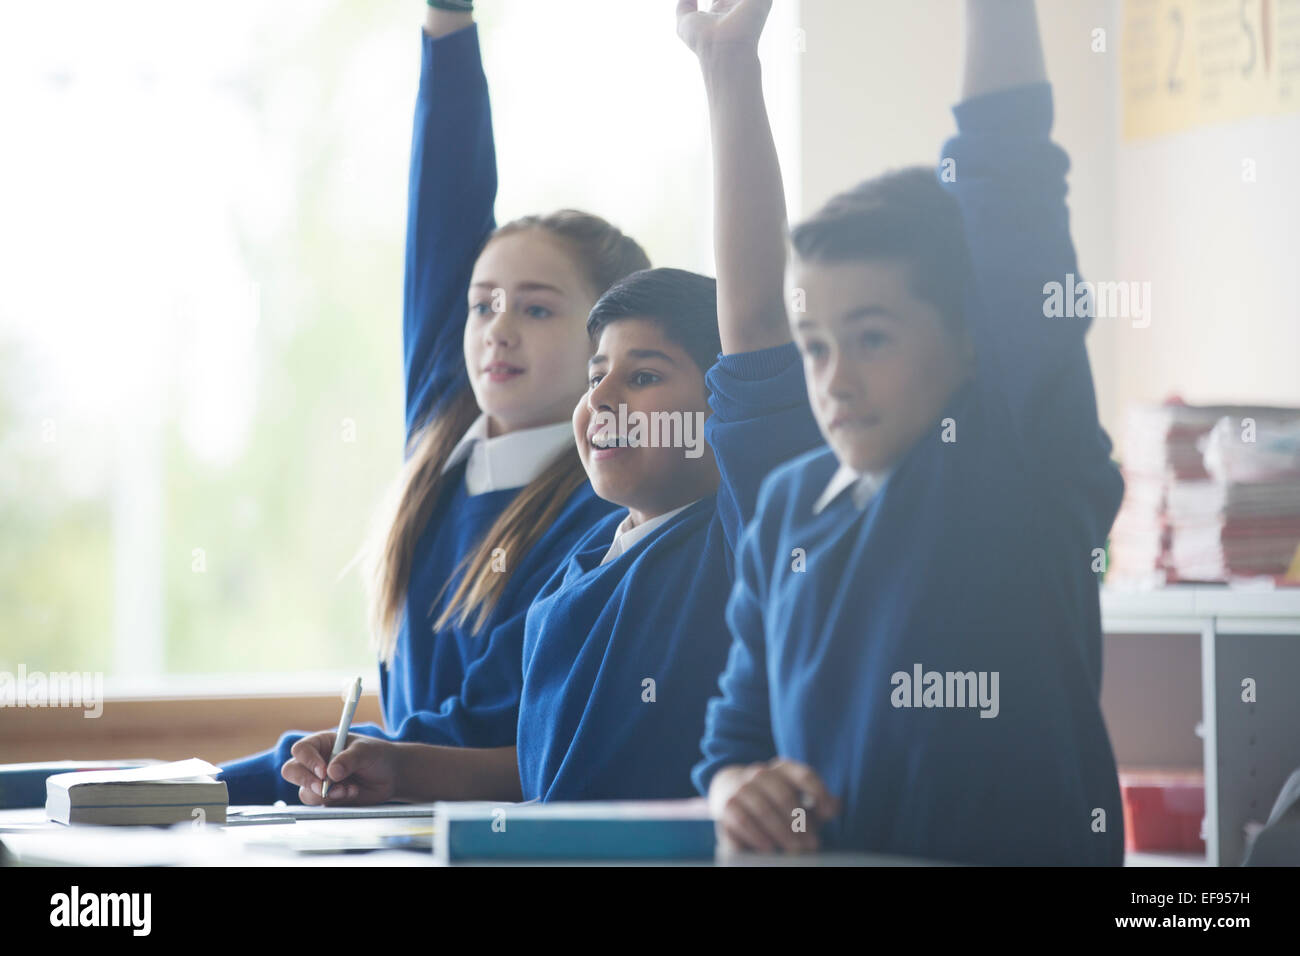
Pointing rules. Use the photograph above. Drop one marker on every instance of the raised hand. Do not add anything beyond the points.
(749, 221)
(1003, 49)
(728, 24)
(439, 22)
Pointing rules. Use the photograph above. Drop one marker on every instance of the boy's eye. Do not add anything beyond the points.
(644, 378)
(480, 308)
(538, 312)
(873, 339)
(594, 379)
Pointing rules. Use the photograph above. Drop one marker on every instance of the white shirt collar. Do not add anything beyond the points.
(507, 461)
(625, 536)
(865, 485)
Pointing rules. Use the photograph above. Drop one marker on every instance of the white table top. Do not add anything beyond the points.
(1185, 607)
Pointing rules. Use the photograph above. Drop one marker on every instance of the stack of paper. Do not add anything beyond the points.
(1212, 493)
(1244, 522)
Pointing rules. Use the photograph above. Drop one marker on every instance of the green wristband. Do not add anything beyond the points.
(455, 6)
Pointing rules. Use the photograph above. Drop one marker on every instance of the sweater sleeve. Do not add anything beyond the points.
(485, 713)
(452, 190)
(738, 724)
(761, 418)
(1008, 179)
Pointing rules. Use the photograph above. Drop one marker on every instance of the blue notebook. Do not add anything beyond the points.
(617, 830)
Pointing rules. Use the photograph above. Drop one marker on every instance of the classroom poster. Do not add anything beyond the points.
(1191, 63)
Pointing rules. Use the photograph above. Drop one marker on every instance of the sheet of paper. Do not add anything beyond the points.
(339, 836)
(178, 770)
(382, 811)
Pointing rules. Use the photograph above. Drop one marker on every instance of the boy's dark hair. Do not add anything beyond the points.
(683, 304)
(905, 215)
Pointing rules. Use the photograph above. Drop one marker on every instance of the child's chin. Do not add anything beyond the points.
(500, 407)
(608, 491)
(858, 457)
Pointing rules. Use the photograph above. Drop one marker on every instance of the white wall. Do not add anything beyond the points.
(1223, 257)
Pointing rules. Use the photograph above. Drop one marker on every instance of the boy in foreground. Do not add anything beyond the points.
(916, 661)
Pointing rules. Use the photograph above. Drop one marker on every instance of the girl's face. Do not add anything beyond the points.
(526, 345)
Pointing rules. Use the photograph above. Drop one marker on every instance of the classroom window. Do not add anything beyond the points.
(200, 375)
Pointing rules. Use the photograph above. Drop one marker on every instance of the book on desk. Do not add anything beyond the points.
(551, 832)
(153, 795)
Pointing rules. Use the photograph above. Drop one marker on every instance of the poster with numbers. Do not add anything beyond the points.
(1191, 63)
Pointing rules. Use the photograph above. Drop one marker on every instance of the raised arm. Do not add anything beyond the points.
(1003, 49)
(757, 392)
(1009, 178)
(749, 199)
(439, 22)
(452, 190)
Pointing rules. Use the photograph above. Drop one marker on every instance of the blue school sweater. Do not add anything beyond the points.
(974, 557)
(448, 686)
(620, 658)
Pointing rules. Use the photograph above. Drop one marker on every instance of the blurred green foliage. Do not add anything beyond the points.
(324, 97)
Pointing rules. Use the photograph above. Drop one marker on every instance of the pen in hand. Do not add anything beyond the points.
(345, 722)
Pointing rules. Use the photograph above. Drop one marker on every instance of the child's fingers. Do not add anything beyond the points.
(294, 772)
(742, 831)
(344, 794)
(351, 759)
(782, 792)
(313, 751)
(766, 814)
(825, 804)
(783, 799)
(308, 797)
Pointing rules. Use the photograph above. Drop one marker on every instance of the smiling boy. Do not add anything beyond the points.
(623, 646)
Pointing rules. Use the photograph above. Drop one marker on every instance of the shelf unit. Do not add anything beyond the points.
(1247, 748)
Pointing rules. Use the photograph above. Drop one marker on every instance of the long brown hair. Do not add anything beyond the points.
(604, 255)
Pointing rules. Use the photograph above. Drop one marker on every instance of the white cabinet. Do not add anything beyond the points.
(1244, 645)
